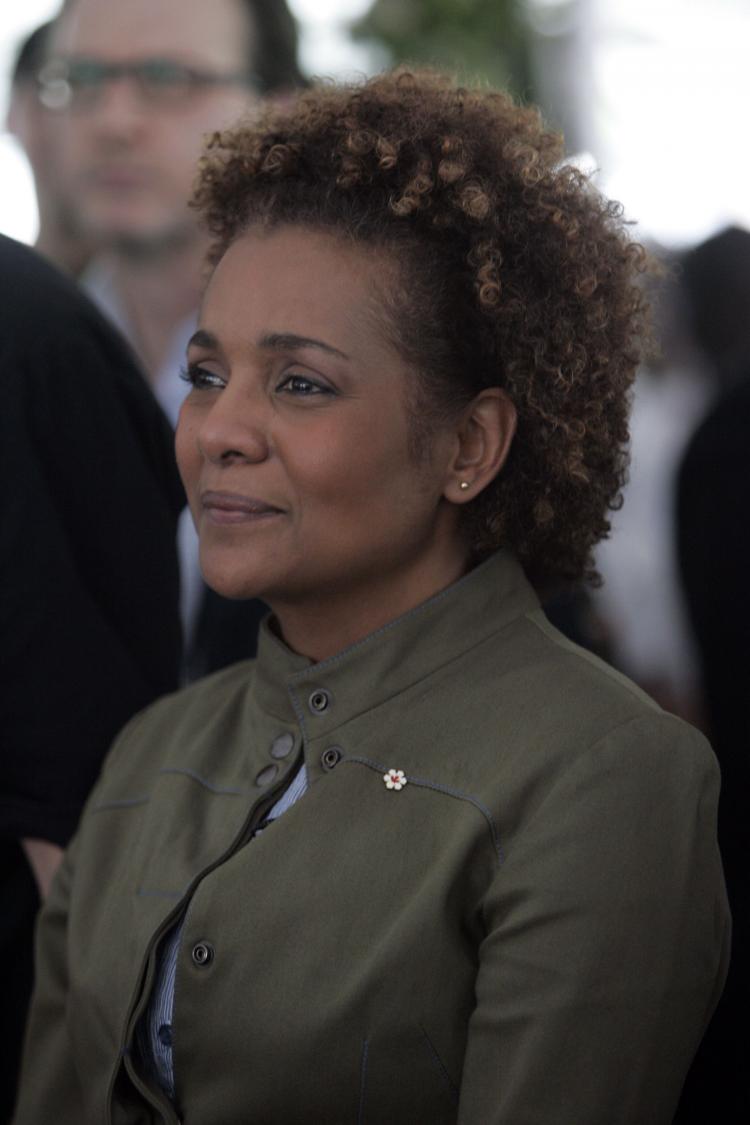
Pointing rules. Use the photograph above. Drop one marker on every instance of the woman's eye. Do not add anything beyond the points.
(303, 387)
(200, 378)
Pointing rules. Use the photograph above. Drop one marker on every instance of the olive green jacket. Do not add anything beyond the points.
(531, 931)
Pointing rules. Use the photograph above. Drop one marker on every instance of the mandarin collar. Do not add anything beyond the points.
(323, 696)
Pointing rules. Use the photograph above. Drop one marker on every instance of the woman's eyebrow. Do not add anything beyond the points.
(275, 341)
(288, 341)
(203, 339)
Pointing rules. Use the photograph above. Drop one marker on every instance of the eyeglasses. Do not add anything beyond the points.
(78, 83)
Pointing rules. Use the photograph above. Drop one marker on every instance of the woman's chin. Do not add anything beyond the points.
(230, 583)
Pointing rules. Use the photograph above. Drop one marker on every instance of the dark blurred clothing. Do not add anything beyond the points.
(226, 632)
(714, 552)
(19, 902)
(88, 576)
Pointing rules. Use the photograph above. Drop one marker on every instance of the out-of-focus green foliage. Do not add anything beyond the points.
(480, 39)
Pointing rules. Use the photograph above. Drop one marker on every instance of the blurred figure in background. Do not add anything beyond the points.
(37, 130)
(137, 87)
(89, 622)
(640, 600)
(713, 522)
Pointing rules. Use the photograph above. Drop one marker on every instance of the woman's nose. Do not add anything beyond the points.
(234, 428)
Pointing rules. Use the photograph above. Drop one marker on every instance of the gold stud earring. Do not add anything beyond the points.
(463, 485)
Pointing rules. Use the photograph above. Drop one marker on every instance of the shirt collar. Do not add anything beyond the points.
(322, 697)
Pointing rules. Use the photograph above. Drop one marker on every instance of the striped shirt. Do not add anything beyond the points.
(155, 1029)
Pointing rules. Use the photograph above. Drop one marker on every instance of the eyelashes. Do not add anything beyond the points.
(303, 387)
(198, 377)
(292, 384)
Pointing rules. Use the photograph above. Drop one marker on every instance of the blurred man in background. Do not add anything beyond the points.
(138, 86)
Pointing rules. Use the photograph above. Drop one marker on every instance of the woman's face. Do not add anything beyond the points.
(293, 442)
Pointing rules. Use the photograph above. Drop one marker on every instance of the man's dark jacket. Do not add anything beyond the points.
(89, 624)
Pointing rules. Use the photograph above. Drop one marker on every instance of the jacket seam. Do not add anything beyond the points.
(443, 1070)
(362, 1081)
(645, 717)
(124, 803)
(218, 789)
(547, 629)
(425, 783)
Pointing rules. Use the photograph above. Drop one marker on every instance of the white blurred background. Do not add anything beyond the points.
(652, 92)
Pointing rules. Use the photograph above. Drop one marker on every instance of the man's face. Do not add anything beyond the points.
(36, 130)
(129, 155)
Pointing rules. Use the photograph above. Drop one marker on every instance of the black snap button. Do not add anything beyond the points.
(203, 954)
(319, 701)
(330, 758)
(282, 745)
(165, 1035)
(266, 776)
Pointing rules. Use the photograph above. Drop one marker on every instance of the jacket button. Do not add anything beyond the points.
(319, 701)
(282, 745)
(330, 758)
(202, 954)
(266, 776)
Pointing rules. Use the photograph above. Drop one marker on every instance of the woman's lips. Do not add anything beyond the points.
(229, 507)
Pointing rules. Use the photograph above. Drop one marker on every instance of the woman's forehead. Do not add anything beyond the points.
(297, 280)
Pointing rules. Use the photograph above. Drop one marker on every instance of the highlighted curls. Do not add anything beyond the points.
(509, 270)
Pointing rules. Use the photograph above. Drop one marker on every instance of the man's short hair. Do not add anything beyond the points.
(271, 43)
(30, 55)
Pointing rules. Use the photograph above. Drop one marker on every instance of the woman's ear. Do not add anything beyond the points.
(484, 434)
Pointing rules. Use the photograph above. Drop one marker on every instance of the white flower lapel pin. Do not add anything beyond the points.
(394, 779)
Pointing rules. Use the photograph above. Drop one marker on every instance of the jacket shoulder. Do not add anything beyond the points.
(150, 736)
(535, 709)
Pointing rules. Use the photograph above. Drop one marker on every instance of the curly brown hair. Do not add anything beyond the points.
(513, 271)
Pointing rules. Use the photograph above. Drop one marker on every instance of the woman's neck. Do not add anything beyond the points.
(337, 619)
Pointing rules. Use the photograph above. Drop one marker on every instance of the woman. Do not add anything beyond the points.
(423, 861)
